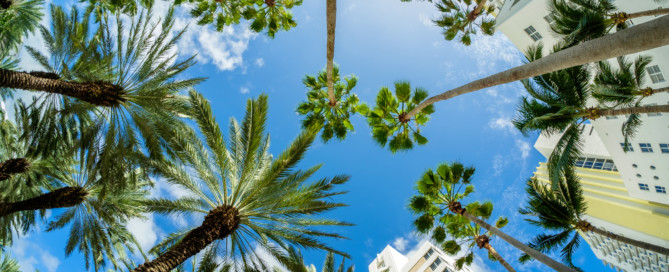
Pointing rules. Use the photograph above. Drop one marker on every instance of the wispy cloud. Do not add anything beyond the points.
(144, 230)
(244, 90)
(32, 256)
(260, 62)
(400, 244)
(492, 53)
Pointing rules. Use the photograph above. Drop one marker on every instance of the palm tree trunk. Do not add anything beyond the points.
(13, 166)
(60, 198)
(477, 11)
(660, 90)
(652, 12)
(628, 41)
(512, 241)
(331, 24)
(499, 258)
(97, 93)
(218, 224)
(623, 239)
(637, 110)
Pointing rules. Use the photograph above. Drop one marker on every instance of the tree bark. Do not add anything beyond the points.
(477, 11)
(60, 198)
(637, 110)
(628, 41)
(218, 224)
(652, 12)
(660, 90)
(499, 258)
(512, 241)
(97, 93)
(13, 166)
(623, 239)
(331, 24)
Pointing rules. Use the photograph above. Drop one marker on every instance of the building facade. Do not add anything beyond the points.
(425, 258)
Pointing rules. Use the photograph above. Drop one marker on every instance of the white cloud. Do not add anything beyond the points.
(50, 261)
(524, 148)
(498, 164)
(502, 123)
(492, 53)
(260, 62)
(425, 20)
(31, 255)
(400, 244)
(144, 230)
(244, 90)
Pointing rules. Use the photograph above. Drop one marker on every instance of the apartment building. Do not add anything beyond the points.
(426, 257)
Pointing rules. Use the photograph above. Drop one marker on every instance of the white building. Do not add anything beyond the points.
(426, 258)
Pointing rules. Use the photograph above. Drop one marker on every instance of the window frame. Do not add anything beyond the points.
(646, 147)
(660, 189)
(644, 187)
(655, 74)
(629, 147)
(533, 33)
(664, 148)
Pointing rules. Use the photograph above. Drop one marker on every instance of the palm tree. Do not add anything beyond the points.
(582, 20)
(624, 87)
(389, 117)
(251, 200)
(17, 19)
(562, 210)
(331, 17)
(639, 38)
(318, 111)
(294, 262)
(559, 104)
(438, 199)
(8, 264)
(462, 18)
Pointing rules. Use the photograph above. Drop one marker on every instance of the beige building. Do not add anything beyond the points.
(425, 258)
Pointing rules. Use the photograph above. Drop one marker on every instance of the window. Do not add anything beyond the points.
(643, 186)
(428, 254)
(652, 167)
(646, 148)
(638, 175)
(627, 148)
(533, 33)
(579, 162)
(656, 178)
(664, 148)
(435, 264)
(611, 117)
(652, 114)
(634, 165)
(589, 162)
(655, 74)
(549, 19)
(598, 164)
(608, 165)
(660, 189)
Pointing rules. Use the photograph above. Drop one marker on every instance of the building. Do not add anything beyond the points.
(425, 258)
(626, 190)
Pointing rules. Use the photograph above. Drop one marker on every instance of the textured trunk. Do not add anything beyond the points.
(636, 243)
(60, 198)
(96, 93)
(652, 12)
(13, 166)
(477, 11)
(457, 208)
(331, 24)
(637, 110)
(218, 224)
(5, 4)
(659, 90)
(625, 42)
(499, 258)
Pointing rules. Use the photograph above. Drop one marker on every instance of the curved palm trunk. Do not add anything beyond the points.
(659, 90)
(633, 110)
(623, 239)
(499, 258)
(457, 208)
(652, 12)
(96, 93)
(60, 198)
(13, 166)
(628, 41)
(331, 23)
(218, 224)
(477, 11)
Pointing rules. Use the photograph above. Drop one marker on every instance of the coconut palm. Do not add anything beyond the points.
(582, 20)
(438, 199)
(9, 264)
(318, 111)
(559, 104)
(639, 38)
(463, 18)
(18, 18)
(249, 199)
(624, 87)
(389, 117)
(562, 212)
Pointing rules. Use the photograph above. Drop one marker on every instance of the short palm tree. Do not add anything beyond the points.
(389, 117)
(438, 200)
(249, 199)
(582, 20)
(318, 111)
(559, 105)
(562, 210)
(463, 18)
(18, 18)
(294, 262)
(624, 87)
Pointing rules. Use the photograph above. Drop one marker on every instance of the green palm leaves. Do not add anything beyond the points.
(581, 20)
(319, 112)
(270, 15)
(463, 18)
(273, 203)
(388, 121)
(17, 20)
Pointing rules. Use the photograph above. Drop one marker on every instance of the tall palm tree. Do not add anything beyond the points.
(562, 210)
(438, 199)
(318, 111)
(628, 41)
(624, 87)
(463, 18)
(331, 16)
(249, 199)
(18, 18)
(582, 20)
(559, 104)
(389, 117)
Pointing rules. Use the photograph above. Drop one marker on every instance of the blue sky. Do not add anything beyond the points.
(380, 41)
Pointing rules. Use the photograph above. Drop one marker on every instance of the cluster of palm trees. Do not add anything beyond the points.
(109, 118)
